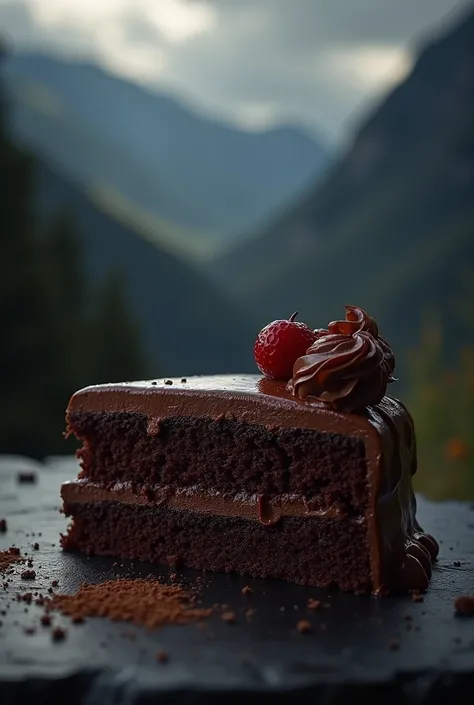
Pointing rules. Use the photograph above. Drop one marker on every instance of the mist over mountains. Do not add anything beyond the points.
(196, 182)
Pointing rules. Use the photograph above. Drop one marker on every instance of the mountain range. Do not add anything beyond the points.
(191, 182)
(391, 225)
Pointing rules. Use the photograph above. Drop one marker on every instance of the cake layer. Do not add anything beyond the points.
(319, 552)
(248, 400)
(225, 456)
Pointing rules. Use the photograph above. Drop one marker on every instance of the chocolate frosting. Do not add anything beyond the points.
(409, 552)
(395, 539)
(267, 511)
(348, 366)
(359, 320)
(344, 371)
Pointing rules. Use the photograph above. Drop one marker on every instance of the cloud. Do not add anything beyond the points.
(16, 23)
(253, 61)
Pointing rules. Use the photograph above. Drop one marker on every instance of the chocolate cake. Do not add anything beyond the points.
(308, 480)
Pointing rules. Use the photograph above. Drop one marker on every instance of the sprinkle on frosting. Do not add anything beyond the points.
(348, 366)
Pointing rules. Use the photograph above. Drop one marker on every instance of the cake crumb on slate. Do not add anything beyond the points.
(26, 477)
(457, 564)
(8, 558)
(142, 601)
(464, 604)
(247, 590)
(36, 546)
(304, 627)
(45, 620)
(417, 597)
(58, 634)
(28, 575)
(313, 604)
(3, 526)
(228, 617)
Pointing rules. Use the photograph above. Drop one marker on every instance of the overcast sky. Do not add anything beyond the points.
(315, 62)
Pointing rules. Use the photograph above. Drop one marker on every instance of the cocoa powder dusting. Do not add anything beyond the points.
(313, 604)
(304, 627)
(144, 602)
(8, 557)
(229, 617)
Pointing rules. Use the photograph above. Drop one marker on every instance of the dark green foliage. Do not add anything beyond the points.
(185, 169)
(52, 340)
(25, 346)
(112, 329)
(441, 400)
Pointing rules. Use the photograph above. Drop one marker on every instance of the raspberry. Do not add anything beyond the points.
(279, 345)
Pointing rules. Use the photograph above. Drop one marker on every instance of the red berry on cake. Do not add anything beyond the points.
(279, 345)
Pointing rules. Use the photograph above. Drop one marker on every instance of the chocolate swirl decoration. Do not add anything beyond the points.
(348, 366)
(357, 320)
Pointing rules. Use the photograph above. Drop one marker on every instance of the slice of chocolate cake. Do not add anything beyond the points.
(257, 476)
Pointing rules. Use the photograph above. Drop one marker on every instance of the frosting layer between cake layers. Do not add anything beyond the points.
(400, 553)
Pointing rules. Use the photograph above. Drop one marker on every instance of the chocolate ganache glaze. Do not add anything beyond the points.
(348, 366)
(401, 554)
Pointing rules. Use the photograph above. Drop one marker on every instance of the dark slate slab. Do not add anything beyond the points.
(346, 658)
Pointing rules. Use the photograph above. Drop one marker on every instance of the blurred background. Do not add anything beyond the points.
(174, 174)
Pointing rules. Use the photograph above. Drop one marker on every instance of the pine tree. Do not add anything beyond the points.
(116, 350)
(66, 296)
(25, 352)
(65, 287)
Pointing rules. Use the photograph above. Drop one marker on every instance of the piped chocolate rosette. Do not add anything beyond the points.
(347, 367)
